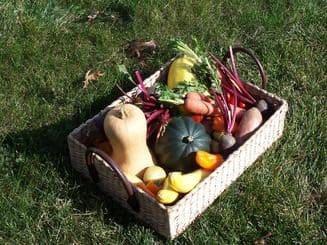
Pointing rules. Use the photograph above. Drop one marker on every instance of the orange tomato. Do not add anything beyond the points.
(145, 189)
(241, 105)
(218, 123)
(152, 187)
(208, 161)
(197, 118)
(231, 100)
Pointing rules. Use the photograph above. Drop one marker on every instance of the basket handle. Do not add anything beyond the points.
(250, 53)
(130, 189)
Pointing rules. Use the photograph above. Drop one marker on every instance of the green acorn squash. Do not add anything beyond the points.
(181, 139)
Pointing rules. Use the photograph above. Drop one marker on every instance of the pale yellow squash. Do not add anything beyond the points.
(180, 71)
(154, 173)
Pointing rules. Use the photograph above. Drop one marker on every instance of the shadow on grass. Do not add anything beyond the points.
(49, 143)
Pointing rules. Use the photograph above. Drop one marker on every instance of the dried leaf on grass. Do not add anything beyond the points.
(137, 48)
(318, 196)
(92, 17)
(91, 75)
(103, 16)
(263, 240)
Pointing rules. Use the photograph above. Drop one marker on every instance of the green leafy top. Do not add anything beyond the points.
(176, 96)
(181, 47)
(203, 69)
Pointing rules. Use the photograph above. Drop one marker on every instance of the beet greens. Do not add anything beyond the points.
(212, 75)
(156, 114)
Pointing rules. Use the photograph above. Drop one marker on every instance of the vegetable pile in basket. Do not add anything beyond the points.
(171, 136)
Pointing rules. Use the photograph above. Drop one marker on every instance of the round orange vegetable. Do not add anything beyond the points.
(208, 161)
(218, 123)
(197, 118)
(241, 104)
(152, 187)
(231, 101)
(145, 189)
(197, 103)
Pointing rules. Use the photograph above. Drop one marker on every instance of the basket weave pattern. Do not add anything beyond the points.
(170, 221)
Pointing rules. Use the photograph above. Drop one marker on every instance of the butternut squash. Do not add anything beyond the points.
(125, 126)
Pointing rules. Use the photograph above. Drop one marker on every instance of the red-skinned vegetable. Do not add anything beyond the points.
(199, 104)
(218, 123)
(250, 121)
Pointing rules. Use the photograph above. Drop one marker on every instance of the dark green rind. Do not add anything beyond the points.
(172, 152)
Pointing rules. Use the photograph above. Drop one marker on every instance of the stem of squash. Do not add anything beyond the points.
(123, 113)
(188, 139)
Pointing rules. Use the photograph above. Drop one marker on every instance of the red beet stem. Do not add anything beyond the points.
(232, 78)
(234, 111)
(154, 115)
(222, 106)
(149, 104)
(228, 109)
(233, 63)
(224, 68)
(230, 90)
(141, 83)
(248, 94)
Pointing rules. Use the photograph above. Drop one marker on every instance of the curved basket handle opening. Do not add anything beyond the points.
(130, 189)
(250, 53)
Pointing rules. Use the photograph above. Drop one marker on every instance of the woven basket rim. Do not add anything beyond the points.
(229, 159)
(79, 140)
(170, 208)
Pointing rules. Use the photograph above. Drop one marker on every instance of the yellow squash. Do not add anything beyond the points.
(180, 71)
(184, 183)
(154, 173)
(167, 195)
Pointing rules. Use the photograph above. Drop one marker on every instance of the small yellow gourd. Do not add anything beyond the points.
(167, 195)
(180, 71)
(184, 183)
(125, 126)
(154, 173)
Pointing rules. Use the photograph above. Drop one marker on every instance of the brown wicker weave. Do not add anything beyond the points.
(170, 221)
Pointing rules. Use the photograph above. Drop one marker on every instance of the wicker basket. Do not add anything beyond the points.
(170, 221)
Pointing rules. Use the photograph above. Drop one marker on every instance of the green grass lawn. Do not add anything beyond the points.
(47, 46)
